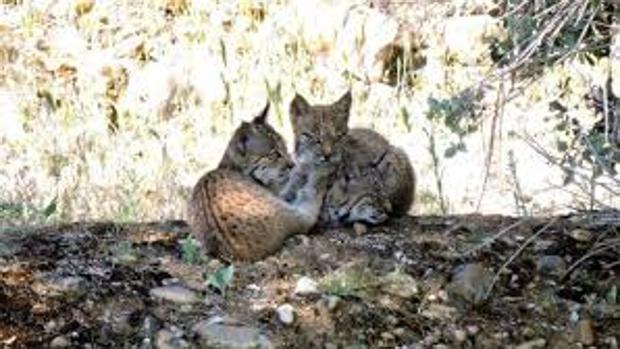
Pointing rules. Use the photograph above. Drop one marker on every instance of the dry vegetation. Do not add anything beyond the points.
(112, 109)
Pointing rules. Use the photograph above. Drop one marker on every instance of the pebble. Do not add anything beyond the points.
(214, 264)
(306, 286)
(170, 339)
(387, 336)
(286, 314)
(400, 284)
(535, 343)
(581, 235)
(470, 283)
(218, 332)
(612, 342)
(359, 228)
(56, 286)
(332, 302)
(551, 265)
(460, 336)
(584, 332)
(472, 330)
(175, 293)
(60, 342)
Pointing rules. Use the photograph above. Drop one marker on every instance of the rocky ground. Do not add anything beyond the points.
(418, 282)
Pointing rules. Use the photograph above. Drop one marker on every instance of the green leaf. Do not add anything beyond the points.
(51, 208)
(612, 295)
(221, 278)
(189, 251)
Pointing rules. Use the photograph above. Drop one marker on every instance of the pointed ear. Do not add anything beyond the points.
(342, 109)
(343, 105)
(262, 117)
(299, 105)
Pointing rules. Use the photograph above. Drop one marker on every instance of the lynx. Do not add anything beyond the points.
(374, 179)
(235, 211)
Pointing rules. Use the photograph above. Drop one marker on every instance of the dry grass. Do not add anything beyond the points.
(115, 108)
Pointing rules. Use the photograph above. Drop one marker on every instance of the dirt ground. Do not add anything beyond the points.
(417, 282)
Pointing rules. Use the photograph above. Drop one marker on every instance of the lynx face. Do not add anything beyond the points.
(352, 199)
(258, 151)
(318, 129)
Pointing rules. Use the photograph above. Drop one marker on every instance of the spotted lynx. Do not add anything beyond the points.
(374, 179)
(234, 210)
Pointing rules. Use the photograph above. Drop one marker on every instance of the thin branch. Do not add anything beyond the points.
(589, 255)
(518, 252)
(489, 241)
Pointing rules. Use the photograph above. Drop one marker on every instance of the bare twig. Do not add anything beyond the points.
(586, 175)
(498, 115)
(593, 252)
(489, 241)
(518, 252)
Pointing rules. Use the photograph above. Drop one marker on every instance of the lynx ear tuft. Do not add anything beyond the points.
(299, 105)
(262, 117)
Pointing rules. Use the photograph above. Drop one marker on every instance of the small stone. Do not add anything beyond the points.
(551, 265)
(360, 228)
(472, 330)
(150, 324)
(60, 342)
(542, 245)
(214, 264)
(286, 314)
(332, 302)
(436, 311)
(399, 331)
(170, 339)
(175, 294)
(460, 336)
(400, 284)
(559, 340)
(387, 336)
(584, 332)
(533, 344)
(470, 283)
(612, 342)
(226, 333)
(56, 286)
(581, 235)
(118, 312)
(501, 335)
(253, 287)
(306, 286)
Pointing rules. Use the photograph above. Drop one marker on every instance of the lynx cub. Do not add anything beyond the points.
(233, 210)
(374, 179)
